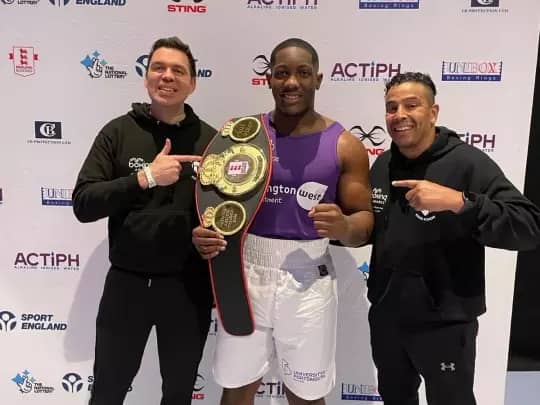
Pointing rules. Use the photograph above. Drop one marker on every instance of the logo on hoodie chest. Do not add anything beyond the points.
(136, 163)
(378, 199)
(424, 216)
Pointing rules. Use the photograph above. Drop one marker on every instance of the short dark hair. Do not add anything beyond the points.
(298, 43)
(174, 43)
(417, 77)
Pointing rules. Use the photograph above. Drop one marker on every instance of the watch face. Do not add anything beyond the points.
(468, 196)
(468, 200)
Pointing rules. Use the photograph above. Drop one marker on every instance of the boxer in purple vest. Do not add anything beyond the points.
(319, 191)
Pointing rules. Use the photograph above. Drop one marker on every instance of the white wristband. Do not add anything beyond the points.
(149, 177)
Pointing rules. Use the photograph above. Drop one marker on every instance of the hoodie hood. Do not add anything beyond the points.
(402, 168)
(141, 113)
(445, 141)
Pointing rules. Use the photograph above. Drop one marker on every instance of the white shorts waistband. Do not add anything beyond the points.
(285, 253)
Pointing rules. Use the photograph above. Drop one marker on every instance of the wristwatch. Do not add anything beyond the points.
(148, 173)
(468, 200)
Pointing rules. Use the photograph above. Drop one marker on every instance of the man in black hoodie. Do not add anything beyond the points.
(140, 174)
(437, 203)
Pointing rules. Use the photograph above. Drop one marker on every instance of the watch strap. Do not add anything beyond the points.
(148, 173)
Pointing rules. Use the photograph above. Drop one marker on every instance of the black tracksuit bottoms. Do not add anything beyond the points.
(409, 340)
(132, 303)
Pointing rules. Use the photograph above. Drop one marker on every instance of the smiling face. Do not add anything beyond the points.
(411, 115)
(168, 79)
(294, 78)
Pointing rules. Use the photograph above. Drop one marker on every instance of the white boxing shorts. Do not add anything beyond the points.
(293, 293)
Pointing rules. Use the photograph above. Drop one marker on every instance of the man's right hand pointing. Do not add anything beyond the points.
(166, 168)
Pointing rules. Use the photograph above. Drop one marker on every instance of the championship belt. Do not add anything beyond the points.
(232, 180)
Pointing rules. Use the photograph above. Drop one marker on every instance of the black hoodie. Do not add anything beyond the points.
(149, 230)
(444, 248)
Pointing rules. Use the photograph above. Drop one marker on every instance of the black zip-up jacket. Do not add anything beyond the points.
(444, 248)
(149, 230)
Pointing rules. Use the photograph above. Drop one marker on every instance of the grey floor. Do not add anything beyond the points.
(522, 388)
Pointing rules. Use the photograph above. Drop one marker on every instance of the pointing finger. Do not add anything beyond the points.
(186, 158)
(405, 183)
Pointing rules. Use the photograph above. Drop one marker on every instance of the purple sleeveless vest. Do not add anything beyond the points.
(305, 172)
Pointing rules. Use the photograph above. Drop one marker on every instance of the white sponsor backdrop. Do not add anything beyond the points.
(52, 268)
